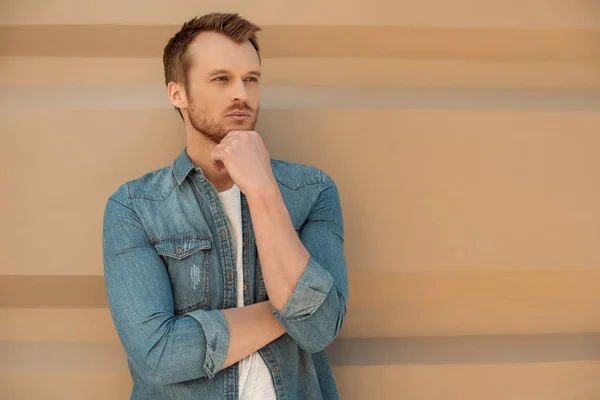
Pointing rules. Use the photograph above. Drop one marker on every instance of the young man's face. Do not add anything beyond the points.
(223, 85)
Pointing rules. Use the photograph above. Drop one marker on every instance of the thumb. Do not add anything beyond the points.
(216, 158)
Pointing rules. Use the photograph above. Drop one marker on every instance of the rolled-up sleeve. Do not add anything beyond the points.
(315, 312)
(163, 348)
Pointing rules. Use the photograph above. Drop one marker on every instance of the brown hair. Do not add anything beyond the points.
(177, 64)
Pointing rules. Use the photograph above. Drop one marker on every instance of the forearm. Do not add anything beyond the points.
(283, 257)
(250, 329)
(305, 274)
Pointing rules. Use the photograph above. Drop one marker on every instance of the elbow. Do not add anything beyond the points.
(316, 327)
(179, 352)
(320, 332)
(157, 377)
(316, 345)
(161, 366)
(317, 342)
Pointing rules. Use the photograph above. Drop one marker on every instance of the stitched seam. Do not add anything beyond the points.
(153, 198)
(147, 198)
(180, 181)
(130, 249)
(156, 198)
(207, 279)
(124, 205)
(299, 187)
(179, 311)
(160, 239)
(317, 198)
(182, 255)
(174, 170)
(128, 192)
(189, 252)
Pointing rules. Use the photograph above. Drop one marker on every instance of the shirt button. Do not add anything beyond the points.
(276, 368)
(212, 194)
(224, 234)
(230, 276)
(243, 244)
(245, 201)
(245, 287)
(178, 250)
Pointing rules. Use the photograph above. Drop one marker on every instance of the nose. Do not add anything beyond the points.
(239, 92)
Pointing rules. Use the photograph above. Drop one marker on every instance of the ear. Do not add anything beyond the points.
(177, 95)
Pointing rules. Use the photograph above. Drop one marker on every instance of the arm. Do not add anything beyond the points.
(250, 329)
(164, 348)
(305, 276)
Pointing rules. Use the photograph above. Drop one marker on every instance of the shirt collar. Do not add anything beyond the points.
(183, 165)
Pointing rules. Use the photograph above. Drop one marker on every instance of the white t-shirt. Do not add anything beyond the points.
(255, 382)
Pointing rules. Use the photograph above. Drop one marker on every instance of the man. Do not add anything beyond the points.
(225, 272)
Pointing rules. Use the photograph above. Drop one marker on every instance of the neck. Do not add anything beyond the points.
(198, 149)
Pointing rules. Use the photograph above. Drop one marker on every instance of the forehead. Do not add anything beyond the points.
(210, 50)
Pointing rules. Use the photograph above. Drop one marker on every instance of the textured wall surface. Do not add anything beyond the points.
(464, 137)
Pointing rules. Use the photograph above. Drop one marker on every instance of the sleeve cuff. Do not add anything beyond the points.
(310, 292)
(216, 332)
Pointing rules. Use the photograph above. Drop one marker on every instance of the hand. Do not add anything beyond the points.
(244, 156)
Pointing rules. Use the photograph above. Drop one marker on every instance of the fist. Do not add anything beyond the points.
(244, 155)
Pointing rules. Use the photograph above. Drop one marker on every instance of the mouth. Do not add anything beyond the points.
(239, 116)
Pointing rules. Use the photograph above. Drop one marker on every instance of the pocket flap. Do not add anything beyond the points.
(181, 246)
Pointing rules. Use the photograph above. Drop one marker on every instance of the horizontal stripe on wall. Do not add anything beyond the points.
(526, 14)
(523, 45)
(59, 325)
(478, 350)
(393, 305)
(66, 384)
(546, 381)
(508, 349)
(52, 291)
(120, 98)
(348, 72)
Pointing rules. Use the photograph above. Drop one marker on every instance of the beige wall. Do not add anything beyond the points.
(464, 139)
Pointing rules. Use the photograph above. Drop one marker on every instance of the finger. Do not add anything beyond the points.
(224, 150)
(230, 143)
(218, 157)
(231, 146)
(232, 135)
(235, 133)
(228, 138)
(260, 144)
(218, 166)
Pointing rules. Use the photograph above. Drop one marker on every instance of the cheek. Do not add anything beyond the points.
(215, 100)
(254, 96)
(203, 107)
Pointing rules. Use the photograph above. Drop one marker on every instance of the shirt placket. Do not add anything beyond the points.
(246, 243)
(224, 240)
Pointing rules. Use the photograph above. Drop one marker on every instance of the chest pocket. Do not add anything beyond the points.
(188, 262)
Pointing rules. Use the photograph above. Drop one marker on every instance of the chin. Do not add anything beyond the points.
(245, 126)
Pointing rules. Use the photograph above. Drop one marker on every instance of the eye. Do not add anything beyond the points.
(252, 79)
(220, 79)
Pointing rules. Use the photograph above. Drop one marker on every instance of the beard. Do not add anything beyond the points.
(215, 131)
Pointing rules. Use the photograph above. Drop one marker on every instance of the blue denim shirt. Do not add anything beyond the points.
(169, 267)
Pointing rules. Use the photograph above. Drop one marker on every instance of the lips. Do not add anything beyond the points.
(238, 114)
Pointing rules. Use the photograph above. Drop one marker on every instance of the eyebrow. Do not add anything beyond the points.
(224, 71)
